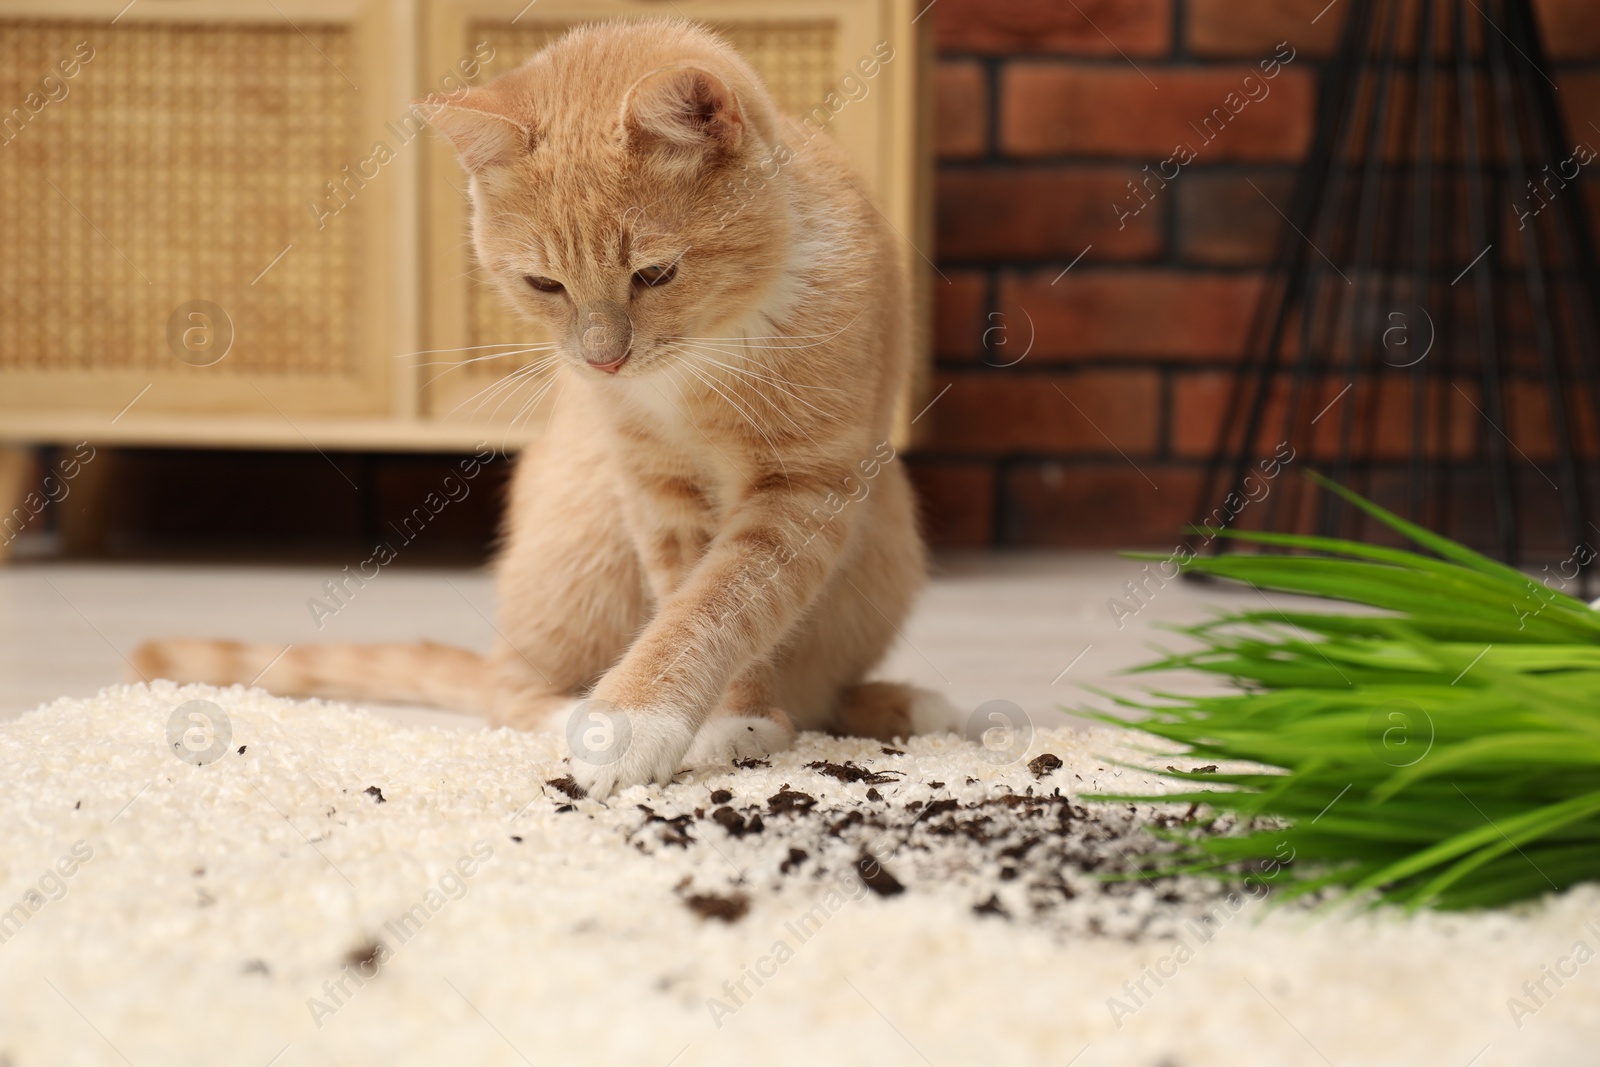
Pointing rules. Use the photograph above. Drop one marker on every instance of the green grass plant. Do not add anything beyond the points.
(1441, 749)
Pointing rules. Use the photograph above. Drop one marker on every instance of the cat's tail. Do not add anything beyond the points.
(423, 673)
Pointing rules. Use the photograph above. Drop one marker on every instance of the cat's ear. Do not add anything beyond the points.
(484, 126)
(686, 110)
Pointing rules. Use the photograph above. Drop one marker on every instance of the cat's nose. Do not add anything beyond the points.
(606, 339)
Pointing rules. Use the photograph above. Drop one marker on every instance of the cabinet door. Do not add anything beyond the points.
(803, 49)
(205, 209)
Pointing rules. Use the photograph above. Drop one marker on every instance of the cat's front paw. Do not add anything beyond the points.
(614, 747)
(722, 739)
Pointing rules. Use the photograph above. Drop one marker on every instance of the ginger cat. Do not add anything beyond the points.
(712, 541)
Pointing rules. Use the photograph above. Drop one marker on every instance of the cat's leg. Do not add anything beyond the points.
(890, 711)
(759, 576)
(856, 621)
(572, 592)
(746, 724)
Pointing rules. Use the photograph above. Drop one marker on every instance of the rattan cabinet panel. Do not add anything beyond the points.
(224, 224)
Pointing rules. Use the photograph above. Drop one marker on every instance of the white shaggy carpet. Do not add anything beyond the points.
(165, 913)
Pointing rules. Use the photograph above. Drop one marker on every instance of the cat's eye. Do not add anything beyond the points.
(544, 285)
(655, 275)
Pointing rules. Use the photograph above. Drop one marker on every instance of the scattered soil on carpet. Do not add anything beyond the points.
(1023, 853)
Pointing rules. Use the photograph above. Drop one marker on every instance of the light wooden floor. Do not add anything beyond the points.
(1029, 628)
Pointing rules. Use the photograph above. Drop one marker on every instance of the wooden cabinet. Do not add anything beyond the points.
(223, 226)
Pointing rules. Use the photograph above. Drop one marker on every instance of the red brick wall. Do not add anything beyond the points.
(1045, 111)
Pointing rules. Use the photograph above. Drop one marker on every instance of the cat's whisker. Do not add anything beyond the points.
(756, 371)
(753, 424)
(520, 382)
(742, 410)
(503, 383)
(727, 342)
(677, 387)
(559, 394)
(777, 408)
(460, 365)
(497, 383)
(510, 424)
(763, 367)
(470, 348)
(748, 407)
(769, 370)
(747, 352)
(517, 387)
(763, 371)
(541, 389)
(800, 336)
(532, 403)
(775, 383)
(484, 395)
(772, 337)
(752, 376)
(741, 341)
(479, 359)
(556, 380)
(506, 437)
(457, 364)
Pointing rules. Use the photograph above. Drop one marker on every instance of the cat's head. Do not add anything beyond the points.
(626, 189)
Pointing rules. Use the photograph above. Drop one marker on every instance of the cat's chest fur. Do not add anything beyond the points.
(672, 451)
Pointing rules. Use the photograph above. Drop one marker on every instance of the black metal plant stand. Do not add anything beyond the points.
(1428, 337)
